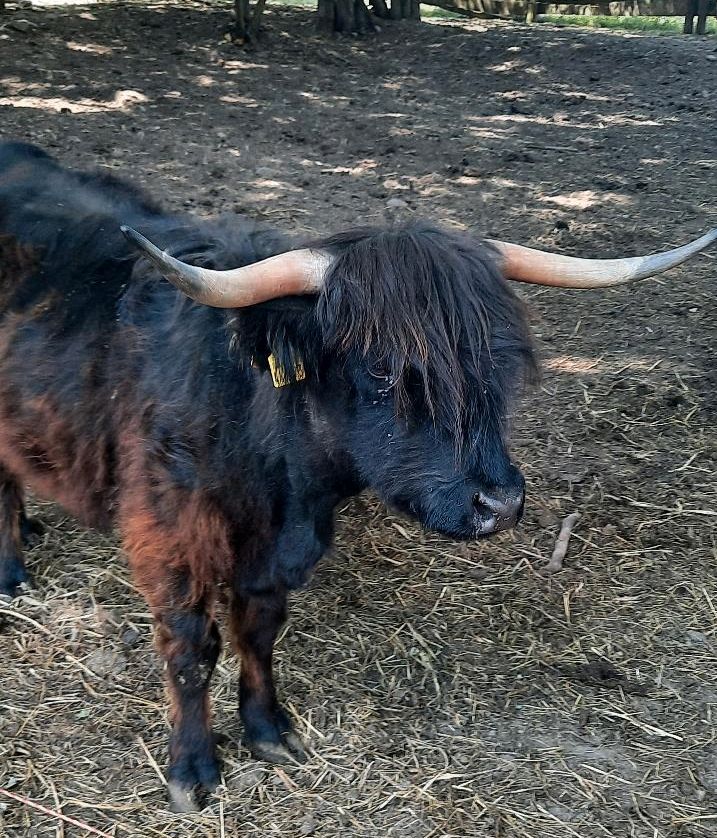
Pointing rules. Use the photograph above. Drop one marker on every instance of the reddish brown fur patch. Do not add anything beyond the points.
(10, 509)
(187, 538)
(159, 553)
(40, 446)
(254, 674)
(17, 262)
(255, 623)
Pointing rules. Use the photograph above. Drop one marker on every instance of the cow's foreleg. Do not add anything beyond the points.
(268, 733)
(175, 542)
(12, 520)
(188, 639)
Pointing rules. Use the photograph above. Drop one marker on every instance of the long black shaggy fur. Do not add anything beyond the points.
(135, 407)
(432, 309)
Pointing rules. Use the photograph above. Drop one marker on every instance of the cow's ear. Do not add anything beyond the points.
(281, 337)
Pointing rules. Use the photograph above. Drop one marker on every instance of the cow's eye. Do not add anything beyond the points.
(380, 371)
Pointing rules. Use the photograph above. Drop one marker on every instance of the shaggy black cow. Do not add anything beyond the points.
(218, 437)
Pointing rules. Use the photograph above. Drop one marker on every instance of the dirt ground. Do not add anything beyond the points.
(444, 690)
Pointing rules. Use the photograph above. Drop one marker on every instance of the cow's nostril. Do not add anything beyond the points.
(492, 503)
(497, 510)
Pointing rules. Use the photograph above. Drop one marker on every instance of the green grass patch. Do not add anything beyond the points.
(647, 23)
(439, 13)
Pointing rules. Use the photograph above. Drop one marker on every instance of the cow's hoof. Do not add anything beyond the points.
(192, 776)
(13, 577)
(270, 737)
(31, 531)
(289, 750)
(182, 800)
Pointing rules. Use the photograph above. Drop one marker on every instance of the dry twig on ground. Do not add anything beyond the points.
(561, 543)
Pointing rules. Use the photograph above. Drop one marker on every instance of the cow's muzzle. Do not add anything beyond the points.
(497, 509)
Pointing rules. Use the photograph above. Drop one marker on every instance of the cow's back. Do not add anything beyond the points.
(96, 347)
(64, 267)
(66, 226)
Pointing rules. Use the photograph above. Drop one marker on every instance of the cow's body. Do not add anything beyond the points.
(121, 399)
(133, 406)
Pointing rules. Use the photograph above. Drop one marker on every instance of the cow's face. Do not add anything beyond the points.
(422, 348)
(464, 488)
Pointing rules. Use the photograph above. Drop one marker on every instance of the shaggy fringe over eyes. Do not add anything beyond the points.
(430, 305)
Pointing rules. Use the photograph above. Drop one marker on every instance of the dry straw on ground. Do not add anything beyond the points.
(444, 689)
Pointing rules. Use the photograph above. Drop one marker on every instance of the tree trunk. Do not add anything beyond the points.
(241, 20)
(349, 16)
(345, 16)
(256, 18)
(405, 10)
(247, 21)
(696, 9)
(702, 17)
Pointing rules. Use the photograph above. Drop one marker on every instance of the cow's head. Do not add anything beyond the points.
(408, 347)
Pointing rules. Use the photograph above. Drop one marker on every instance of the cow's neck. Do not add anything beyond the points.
(309, 476)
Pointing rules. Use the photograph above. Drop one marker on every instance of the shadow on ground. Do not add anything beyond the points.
(445, 690)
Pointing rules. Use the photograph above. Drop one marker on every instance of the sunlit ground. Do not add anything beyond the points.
(445, 690)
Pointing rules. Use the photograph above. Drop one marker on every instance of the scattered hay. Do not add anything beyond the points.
(444, 689)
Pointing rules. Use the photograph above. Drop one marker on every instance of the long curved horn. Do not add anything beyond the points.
(291, 273)
(524, 264)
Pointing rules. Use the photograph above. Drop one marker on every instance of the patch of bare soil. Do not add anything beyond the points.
(445, 690)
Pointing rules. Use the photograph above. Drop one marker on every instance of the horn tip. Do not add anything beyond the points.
(143, 244)
(132, 235)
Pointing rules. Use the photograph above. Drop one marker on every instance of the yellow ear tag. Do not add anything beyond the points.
(280, 375)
